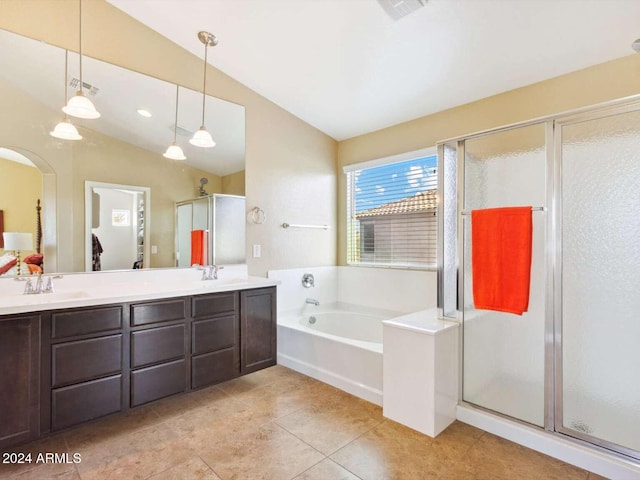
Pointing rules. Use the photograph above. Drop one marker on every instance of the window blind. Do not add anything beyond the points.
(392, 214)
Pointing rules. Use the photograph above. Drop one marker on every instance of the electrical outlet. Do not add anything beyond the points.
(154, 249)
(256, 251)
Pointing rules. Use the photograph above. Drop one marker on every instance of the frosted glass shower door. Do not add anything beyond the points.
(504, 354)
(599, 375)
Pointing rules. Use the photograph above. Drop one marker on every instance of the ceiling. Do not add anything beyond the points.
(347, 68)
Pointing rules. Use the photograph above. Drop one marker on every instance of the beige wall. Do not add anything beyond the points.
(290, 166)
(20, 189)
(600, 83)
(233, 184)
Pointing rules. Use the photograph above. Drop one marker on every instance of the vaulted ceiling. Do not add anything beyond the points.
(347, 68)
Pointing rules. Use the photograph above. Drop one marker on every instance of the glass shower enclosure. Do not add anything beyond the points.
(570, 364)
(224, 217)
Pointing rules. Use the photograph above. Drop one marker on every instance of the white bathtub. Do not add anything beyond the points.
(343, 347)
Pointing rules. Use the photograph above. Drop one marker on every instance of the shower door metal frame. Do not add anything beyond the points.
(595, 113)
(553, 291)
(549, 241)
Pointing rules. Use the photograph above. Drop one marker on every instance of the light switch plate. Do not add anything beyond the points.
(257, 251)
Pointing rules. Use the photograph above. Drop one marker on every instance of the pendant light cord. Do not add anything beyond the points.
(175, 124)
(204, 83)
(80, 44)
(66, 66)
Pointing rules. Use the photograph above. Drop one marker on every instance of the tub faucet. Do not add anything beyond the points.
(312, 301)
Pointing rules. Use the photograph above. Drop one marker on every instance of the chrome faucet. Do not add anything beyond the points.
(41, 286)
(210, 272)
(312, 301)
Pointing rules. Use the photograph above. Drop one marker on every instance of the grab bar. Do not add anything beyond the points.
(533, 209)
(293, 225)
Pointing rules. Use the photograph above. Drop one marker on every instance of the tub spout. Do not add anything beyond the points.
(312, 301)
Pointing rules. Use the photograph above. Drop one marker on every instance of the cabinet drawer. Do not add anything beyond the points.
(153, 312)
(209, 305)
(213, 368)
(81, 322)
(157, 345)
(214, 334)
(156, 382)
(85, 401)
(74, 362)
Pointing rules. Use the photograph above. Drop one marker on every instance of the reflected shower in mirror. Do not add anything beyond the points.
(124, 146)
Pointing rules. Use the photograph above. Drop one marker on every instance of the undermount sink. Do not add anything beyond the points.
(218, 283)
(41, 298)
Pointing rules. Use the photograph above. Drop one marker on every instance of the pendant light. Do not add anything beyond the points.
(174, 152)
(202, 138)
(79, 105)
(65, 130)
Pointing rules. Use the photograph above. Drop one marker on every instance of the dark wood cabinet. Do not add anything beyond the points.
(83, 356)
(158, 381)
(158, 311)
(258, 329)
(157, 345)
(85, 401)
(74, 362)
(159, 367)
(215, 339)
(61, 368)
(20, 378)
(72, 323)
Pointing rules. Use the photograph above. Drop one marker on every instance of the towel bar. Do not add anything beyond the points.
(288, 225)
(533, 209)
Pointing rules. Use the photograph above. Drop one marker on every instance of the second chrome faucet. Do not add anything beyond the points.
(210, 272)
(312, 301)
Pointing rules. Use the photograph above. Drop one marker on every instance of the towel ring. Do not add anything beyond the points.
(257, 215)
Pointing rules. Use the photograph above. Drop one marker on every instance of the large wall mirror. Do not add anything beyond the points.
(123, 147)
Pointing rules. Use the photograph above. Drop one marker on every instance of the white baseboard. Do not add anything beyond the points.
(338, 381)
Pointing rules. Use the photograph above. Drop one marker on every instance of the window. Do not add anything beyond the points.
(392, 213)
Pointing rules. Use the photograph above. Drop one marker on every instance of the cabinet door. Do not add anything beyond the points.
(257, 329)
(20, 367)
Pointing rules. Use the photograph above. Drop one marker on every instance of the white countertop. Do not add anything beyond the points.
(425, 322)
(85, 289)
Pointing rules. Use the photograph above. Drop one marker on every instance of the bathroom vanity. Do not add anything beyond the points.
(68, 365)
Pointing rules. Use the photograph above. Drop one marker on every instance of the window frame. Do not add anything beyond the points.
(350, 204)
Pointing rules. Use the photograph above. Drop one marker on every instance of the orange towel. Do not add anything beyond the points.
(501, 258)
(199, 247)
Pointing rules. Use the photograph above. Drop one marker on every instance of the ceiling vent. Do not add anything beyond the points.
(183, 132)
(87, 87)
(397, 9)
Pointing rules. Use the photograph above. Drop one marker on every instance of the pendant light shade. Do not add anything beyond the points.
(80, 106)
(174, 152)
(65, 130)
(202, 138)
